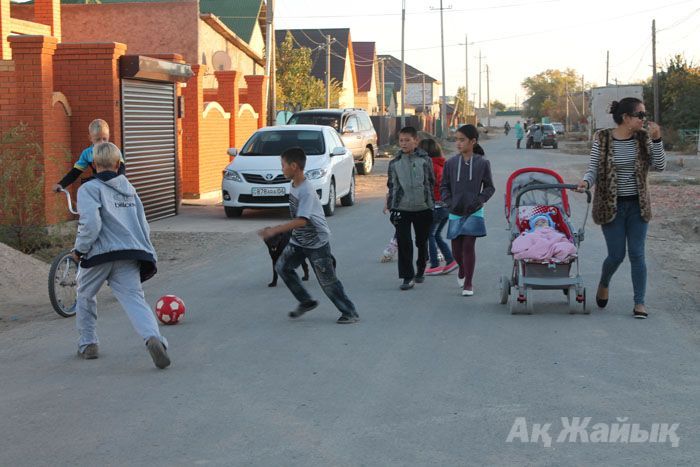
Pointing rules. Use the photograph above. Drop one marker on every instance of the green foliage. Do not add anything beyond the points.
(296, 88)
(679, 95)
(497, 106)
(21, 190)
(547, 93)
(459, 98)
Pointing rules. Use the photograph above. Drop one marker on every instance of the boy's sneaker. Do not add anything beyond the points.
(436, 271)
(449, 267)
(407, 284)
(158, 354)
(89, 353)
(303, 308)
(460, 281)
(348, 319)
(420, 279)
(467, 293)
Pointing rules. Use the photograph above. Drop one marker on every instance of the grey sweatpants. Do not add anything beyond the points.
(125, 281)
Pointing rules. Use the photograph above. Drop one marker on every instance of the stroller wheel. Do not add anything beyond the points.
(504, 284)
(516, 307)
(529, 302)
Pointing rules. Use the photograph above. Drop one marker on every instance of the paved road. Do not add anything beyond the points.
(427, 377)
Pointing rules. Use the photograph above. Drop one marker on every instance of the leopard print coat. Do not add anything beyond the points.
(605, 195)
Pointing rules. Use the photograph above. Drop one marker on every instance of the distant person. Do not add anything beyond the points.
(466, 186)
(98, 132)
(310, 239)
(519, 133)
(410, 199)
(113, 245)
(619, 166)
(537, 136)
(440, 213)
(506, 127)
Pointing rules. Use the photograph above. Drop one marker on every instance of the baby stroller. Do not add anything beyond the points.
(533, 191)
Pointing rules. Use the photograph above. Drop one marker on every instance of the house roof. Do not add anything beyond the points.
(365, 59)
(312, 39)
(240, 16)
(392, 72)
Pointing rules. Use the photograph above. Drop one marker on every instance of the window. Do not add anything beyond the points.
(315, 119)
(274, 143)
(335, 140)
(365, 123)
(352, 122)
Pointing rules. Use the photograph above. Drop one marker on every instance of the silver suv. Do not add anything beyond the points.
(355, 129)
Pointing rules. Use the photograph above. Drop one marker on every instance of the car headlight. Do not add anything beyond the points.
(316, 174)
(232, 175)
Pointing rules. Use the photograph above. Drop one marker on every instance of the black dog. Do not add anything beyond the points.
(275, 246)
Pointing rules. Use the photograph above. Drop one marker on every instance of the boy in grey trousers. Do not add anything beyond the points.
(113, 245)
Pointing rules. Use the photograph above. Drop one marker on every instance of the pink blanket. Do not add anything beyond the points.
(543, 244)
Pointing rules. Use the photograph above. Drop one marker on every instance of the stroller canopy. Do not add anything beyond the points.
(530, 176)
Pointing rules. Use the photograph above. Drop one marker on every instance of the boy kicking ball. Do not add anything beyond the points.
(310, 239)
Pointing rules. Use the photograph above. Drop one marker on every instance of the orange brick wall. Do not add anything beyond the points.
(213, 144)
(8, 95)
(194, 106)
(256, 97)
(246, 125)
(88, 74)
(57, 162)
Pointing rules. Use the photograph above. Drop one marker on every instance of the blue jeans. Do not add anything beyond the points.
(628, 228)
(322, 262)
(435, 241)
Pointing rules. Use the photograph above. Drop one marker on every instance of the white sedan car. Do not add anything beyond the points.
(254, 178)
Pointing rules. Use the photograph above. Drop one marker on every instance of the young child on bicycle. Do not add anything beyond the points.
(98, 131)
(113, 245)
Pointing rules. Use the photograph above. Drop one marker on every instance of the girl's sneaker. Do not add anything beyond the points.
(448, 268)
(389, 252)
(467, 293)
(436, 271)
(460, 282)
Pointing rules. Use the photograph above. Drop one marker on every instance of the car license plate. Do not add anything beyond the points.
(268, 191)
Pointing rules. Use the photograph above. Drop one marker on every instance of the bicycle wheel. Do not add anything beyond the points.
(63, 284)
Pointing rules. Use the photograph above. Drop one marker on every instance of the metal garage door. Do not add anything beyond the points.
(149, 144)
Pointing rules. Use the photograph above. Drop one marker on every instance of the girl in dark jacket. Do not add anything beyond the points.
(440, 213)
(466, 186)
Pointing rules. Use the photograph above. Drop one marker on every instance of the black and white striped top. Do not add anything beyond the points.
(624, 155)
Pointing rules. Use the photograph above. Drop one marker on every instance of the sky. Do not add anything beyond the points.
(517, 38)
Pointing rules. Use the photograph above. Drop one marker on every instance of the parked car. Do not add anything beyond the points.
(355, 129)
(549, 136)
(254, 178)
(559, 127)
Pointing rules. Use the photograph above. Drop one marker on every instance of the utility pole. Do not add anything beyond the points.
(270, 63)
(566, 97)
(443, 104)
(381, 62)
(328, 71)
(583, 97)
(607, 69)
(466, 76)
(488, 99)
(655, 77)
(403, 64)
(423, 89)
(479, 78)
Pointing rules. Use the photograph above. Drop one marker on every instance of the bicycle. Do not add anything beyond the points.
(63, 283)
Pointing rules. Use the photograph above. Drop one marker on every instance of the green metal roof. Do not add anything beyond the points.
(239, 15)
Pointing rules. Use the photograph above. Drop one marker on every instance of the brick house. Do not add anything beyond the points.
(87, 77)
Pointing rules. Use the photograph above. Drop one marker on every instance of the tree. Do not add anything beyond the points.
(460, 99)
(679, 94)
(547, 93)
(296, 88)
(497, 106)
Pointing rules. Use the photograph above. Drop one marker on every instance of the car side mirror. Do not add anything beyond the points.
(338, 151)
(233, 152)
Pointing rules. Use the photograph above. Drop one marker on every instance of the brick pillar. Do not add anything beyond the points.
(88, 75)
(194, 107)
(257, 97)
(34, 74)
(5, 51)
(49, 12)
(229, 100)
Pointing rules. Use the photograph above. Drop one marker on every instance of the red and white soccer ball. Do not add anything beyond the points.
(170, 309)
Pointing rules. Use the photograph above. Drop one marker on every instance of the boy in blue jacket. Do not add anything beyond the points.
(113, 245)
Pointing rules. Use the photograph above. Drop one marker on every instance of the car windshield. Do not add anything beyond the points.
(274, 143)
(316, 119)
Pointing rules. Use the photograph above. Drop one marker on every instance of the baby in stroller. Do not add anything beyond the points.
(543, 242)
